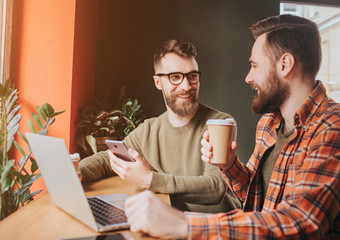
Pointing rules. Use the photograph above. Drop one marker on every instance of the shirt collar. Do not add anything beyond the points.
(306, 112)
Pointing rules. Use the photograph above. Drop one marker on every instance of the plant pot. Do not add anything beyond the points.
(100, 141)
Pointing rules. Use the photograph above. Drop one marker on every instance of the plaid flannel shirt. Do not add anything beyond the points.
(303, 197)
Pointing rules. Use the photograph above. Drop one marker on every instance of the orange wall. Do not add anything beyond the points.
(46, 63)
(84, 56)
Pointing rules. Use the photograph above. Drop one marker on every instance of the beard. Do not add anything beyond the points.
(185, 108)
(271, 96)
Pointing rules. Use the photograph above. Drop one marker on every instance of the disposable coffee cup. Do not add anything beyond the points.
(220, 137)
(75, 160)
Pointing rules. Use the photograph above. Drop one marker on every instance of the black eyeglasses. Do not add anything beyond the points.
(176, 78)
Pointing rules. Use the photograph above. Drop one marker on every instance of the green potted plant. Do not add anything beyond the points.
(15, 179)
(97, 121)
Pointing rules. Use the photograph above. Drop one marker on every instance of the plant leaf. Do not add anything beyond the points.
(31, 126)
(30, 196)
(10, 141)
(10, 105)
(34, 167)
(105, 129)
(5, 185)
(57, 113)
(92, 142)
(32, 178)
(22, 160)
(41, 113)
(114, 112)
(48, 109)
(50, 121)
(13, 113)
(24, 194)
(14, 122)
(113, 118)
(37, 120)
(19, 175)
(19, 148)
(11, 133)
(6, 169)
(13, 129)
(23, 136)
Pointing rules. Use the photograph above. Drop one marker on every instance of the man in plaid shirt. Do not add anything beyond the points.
(290, 187)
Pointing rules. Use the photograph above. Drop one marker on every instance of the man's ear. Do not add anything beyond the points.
(157, 82)
(286, 64)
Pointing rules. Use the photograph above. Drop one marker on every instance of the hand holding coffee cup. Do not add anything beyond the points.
(220, 132)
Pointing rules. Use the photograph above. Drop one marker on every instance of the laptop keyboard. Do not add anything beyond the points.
(106, 214)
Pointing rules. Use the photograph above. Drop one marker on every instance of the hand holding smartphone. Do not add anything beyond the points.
(119, 149)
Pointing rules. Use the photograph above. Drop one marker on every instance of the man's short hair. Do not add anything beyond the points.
(295, 35)
(180, 47)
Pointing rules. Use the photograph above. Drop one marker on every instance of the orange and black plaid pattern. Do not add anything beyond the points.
(303, 197)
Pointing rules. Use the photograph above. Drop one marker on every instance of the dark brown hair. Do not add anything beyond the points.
(295, 35)
(180, 47)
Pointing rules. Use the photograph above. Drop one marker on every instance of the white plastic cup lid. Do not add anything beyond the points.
(228, 121)
(75, 156)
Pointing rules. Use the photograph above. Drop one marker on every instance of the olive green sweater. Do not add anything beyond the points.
(174, 155)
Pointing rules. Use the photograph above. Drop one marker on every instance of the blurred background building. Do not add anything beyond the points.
(328, 21)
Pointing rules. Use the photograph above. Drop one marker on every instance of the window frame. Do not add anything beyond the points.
(314, 2)
(6, 12)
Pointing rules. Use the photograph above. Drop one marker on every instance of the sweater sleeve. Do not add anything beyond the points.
(211, 184)
(96, 167)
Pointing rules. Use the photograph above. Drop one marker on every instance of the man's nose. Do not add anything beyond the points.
(249, 79)
(185, 85)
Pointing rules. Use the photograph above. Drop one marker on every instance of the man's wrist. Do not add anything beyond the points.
(197, 224)
(227, 168)
(148, 180)
(183, 226)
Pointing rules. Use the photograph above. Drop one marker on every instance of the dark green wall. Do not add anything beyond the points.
(129, 31)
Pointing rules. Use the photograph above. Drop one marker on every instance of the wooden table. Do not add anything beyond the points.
(41, 219)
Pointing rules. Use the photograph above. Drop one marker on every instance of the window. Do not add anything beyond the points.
(6, 7)
(328, 21)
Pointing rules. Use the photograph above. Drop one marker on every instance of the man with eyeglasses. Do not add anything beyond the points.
(167, 148)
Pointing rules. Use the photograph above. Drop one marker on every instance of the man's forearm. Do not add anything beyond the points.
(95, 167)
(212, 187)
(239, 185)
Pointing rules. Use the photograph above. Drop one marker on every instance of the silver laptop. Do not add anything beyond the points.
(66, 191)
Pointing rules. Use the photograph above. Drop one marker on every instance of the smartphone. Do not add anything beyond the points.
(116, 236)
(119, 149)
